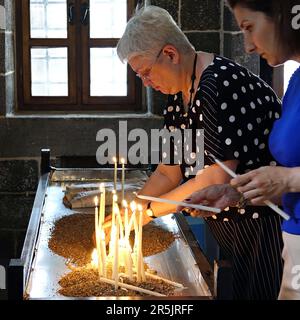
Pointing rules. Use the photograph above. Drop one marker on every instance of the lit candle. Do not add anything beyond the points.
(125, 206)
(115, 200)
(116, 256)
(139, 248)
(103, 253)
(129, 259)
(112, 240)
(102, 204)
(115, 172)
(134, 220)
(97, 235)
(123, 177)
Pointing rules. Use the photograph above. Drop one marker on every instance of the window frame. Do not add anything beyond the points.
(78, 44)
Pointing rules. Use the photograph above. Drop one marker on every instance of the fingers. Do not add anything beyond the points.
(242, 179)
(247, 187)
(181, 208)
(201, 214)
(258, 200)
(254, 193)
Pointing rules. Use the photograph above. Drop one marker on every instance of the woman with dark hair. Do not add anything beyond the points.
(269, 30)
(236, 110)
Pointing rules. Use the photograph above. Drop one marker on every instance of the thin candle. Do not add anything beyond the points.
(97, 235)
(116, 256)
(102, 203)
(115, 172)
(139, 248)
(123, 178)
(103, 252)
(115, 200)
(125, 206)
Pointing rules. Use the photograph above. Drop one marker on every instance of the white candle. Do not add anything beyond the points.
(118, 216)
(116, 256)
(115, 199)
(102, 203)
(139, 248)
(115, 172)
(123, 178)
(112, 240)
(134, 219)
(103, 253)
(125, 206)
(97, 235)
(129, 259)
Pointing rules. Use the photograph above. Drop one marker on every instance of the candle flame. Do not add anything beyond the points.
(132, 205)
(96, 201)
(124, 204)
(115, 197)
(140, 207)
(114, 159)
(113, 191)
(123, 161)
(94, 262)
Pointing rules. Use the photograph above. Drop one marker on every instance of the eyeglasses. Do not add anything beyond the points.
(145, 75)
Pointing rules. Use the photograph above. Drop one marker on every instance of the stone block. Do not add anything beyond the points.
(18, 175)
(200, 15)
(19, 242)
(2, 96)
(234, 49)
(15, 211)
(10, 14)
(170, 5)
(230, 23)
(9, 52)
(2, 52)
(9, 93)
(7, 244)
(205, 41)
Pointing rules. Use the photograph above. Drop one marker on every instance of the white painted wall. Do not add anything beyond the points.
(2, 17)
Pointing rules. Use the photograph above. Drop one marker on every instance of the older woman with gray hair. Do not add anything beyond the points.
(236, 110)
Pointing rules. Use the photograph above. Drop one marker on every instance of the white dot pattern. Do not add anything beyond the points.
(236, 112)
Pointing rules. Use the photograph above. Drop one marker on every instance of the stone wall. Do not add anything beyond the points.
(207, 23)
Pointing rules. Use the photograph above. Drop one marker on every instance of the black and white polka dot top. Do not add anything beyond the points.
(235, 108)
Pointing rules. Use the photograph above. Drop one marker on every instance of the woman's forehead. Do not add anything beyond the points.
(138, 62)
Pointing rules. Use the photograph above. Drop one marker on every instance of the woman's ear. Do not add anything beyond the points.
(171, 53)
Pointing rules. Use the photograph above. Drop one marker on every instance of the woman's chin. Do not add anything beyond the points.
(274, 61)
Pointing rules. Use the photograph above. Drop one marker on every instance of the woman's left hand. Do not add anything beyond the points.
(262, 184)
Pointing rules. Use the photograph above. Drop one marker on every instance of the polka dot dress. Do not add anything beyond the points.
(237, 110)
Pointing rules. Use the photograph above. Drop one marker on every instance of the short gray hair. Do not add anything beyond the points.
(148, 31)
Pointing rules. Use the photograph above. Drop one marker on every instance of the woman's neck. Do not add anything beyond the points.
(203, 61)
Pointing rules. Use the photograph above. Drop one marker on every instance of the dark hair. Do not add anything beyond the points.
(280, 11)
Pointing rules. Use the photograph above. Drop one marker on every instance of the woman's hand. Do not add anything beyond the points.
(262, 184)
(219, 196)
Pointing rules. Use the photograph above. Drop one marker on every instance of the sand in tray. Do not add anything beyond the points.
(84, 282)
(71, 237)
